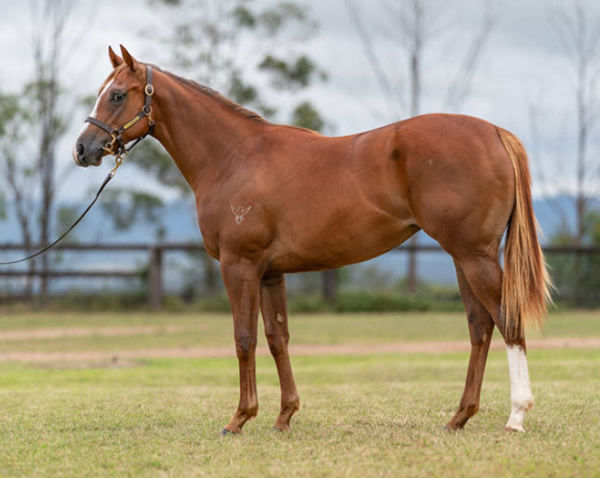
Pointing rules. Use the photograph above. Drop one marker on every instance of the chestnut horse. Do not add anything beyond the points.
(273, 199)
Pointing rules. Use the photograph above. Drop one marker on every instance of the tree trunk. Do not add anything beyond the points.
(21, 210)
(580, 199)
(330, 285)
(412, 279)
(45, 219)
(47, 63)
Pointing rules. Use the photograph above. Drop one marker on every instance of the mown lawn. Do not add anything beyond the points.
(192, 330)
(369, 415)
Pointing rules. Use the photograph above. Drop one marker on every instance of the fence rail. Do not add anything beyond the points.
(156, 252)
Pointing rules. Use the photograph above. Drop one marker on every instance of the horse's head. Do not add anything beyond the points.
(121, 100)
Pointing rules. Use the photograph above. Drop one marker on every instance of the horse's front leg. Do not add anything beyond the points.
(274, 311)
(242, 282)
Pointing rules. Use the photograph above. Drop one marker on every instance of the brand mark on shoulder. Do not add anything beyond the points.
(239, 213)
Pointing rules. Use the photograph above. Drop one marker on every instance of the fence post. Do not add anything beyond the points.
(155, 285)
(329, 278)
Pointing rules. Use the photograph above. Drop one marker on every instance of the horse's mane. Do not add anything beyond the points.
(213, 94)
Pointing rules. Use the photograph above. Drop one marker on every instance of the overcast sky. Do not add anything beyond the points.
(523, 65)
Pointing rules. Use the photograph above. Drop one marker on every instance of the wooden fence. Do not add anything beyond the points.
(157, 251)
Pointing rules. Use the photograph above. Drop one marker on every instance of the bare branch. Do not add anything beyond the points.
(460, 86)
(580, 35)
(540, 166)
(372, 57)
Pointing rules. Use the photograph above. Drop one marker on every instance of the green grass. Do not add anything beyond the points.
(217, 330)
(361, 416)
(370, 415)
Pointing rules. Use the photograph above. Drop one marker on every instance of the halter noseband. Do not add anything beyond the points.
(116, 134)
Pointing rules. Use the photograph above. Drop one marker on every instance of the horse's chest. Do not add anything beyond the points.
(234, 228)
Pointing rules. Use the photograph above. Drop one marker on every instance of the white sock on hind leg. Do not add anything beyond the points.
(520, 389)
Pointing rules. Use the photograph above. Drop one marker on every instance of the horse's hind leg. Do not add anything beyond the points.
(481, 326)
(274, 310)
(484, 276)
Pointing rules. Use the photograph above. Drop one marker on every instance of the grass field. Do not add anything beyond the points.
(376, 414)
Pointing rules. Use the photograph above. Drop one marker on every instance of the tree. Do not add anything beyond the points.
(579, 31)
(29, 156)
(414, 24)
(230, 45)
(15, 123)
(49, 20)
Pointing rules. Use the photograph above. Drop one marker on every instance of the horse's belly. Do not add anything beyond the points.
(333, 244)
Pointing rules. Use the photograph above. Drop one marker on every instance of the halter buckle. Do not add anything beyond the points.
(108, 147)
(149, 90)
(148, 113)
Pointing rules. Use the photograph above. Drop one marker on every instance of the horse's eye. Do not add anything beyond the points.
(117, 97)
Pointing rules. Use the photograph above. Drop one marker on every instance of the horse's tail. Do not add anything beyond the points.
(526, 284)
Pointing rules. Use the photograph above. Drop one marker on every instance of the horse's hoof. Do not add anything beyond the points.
(281, 428)
(451, 428)
(226, 432)
(514, 429)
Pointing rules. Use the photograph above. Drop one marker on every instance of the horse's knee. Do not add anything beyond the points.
(278, 343)
(244, 346)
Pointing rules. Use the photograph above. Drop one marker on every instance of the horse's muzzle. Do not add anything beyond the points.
(84, 156)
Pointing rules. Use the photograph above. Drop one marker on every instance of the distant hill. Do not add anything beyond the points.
(180, 225)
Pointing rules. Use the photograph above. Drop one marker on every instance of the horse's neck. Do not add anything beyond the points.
(200, 132)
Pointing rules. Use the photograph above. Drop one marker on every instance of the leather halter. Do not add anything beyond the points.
(116, 145)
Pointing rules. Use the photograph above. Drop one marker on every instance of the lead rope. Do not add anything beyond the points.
(118, 161)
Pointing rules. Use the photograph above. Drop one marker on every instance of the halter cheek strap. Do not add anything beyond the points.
(117, 133)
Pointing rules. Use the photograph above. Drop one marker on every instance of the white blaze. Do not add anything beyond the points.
(521, 397)
(95, 109)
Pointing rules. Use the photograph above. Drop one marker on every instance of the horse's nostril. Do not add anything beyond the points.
(80, 149)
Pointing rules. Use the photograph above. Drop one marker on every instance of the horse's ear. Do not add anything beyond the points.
(115, 59)
(131, 62)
